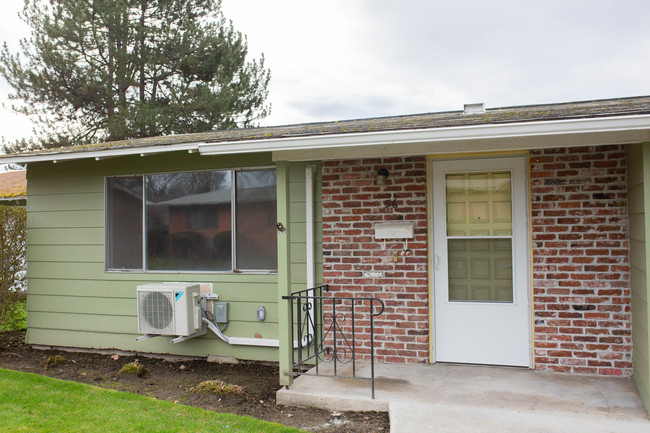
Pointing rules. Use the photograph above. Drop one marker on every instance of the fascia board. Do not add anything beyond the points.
(98, 154)
(462, 133)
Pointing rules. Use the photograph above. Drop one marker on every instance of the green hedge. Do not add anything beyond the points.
(13, 236)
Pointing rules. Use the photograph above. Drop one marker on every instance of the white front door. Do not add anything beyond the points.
(481, 261)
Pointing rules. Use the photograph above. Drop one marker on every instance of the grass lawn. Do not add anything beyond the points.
(29, 402)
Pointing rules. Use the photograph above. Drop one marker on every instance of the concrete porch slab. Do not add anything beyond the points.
(462, 398)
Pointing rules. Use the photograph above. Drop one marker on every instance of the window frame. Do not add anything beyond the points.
(233, 217)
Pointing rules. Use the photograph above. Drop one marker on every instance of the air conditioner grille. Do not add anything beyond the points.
(157, 311)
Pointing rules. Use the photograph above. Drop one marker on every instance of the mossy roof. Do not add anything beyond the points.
(13, 184)
(491, 116)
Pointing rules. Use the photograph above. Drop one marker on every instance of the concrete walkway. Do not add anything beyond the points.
(461, 398)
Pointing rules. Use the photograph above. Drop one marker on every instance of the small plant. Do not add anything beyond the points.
(219, 387)
(54, 361)
(134, 368)
(14, 314)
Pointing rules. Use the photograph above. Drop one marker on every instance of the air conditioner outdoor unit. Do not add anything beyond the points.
(169, 309)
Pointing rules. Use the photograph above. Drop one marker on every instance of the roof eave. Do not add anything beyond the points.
(489, 137)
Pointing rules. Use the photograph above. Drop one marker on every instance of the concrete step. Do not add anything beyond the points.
(409, 417)
(461, 398)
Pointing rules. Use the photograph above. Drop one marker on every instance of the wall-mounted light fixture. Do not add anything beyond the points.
(382, 175)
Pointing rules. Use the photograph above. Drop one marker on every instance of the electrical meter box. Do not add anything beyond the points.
(394, 230)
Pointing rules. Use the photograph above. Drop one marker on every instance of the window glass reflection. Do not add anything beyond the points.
(255, 212)
(188, 220)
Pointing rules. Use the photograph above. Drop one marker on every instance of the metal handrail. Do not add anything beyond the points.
(309, 322)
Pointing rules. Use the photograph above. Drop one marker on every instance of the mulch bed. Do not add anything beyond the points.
(177, 381)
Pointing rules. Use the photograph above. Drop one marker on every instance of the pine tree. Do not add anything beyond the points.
(104, 70)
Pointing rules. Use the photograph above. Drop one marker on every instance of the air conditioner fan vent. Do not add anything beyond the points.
(157, 310)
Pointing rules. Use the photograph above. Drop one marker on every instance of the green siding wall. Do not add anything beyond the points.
(74, 302)
(292, 261)
(297, 217)
(639, 212)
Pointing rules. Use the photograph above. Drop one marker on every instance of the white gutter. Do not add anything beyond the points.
(432, 135)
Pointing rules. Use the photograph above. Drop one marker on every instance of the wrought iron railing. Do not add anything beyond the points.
(326, 331)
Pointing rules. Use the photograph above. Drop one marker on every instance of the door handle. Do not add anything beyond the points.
(437, 263)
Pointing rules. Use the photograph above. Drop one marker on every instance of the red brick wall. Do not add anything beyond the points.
(580, 255)
(352, 203)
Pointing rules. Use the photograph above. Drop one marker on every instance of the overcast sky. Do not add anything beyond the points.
(344, 59)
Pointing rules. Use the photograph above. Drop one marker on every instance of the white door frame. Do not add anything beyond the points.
(521, 256)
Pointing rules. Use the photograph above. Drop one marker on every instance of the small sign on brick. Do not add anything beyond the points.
(374, 274)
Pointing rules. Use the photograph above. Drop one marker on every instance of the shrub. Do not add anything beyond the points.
(134, 368)
(219, 387)
(13, 235)
(157, 242)
(15, 314)
(54, 361)
(187, 244)
(222, 245)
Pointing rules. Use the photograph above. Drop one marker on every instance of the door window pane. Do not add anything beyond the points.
(479, 204)
(480, 270)
(256, 216)
(479, 208)
(188, 220)
(124, 222)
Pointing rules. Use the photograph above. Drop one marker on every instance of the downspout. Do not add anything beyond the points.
(310, 245)
(309, 222)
